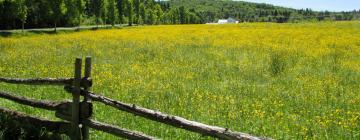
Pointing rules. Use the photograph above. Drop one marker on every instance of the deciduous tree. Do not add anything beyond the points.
(120, 4)
(142, 12)
(21, 12)
(57, 10)
(111, 12)
(80, 4)
(97, 8)
(136, 11)
(182, 15)
(129, 11)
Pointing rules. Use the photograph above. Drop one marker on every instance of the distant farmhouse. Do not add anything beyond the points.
(225, 21)
(228, 21)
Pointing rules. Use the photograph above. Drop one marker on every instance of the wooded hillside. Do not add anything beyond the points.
(211, 10)
(15, 14)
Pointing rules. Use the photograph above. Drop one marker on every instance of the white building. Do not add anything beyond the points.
(227, 21)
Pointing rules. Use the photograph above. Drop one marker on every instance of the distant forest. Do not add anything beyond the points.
(17, 14)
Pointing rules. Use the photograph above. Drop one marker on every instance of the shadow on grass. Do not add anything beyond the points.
(28, 32)
(10, 33)
(5, 34)
(43, 31)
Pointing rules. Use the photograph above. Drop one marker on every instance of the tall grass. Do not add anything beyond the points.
(284, 81)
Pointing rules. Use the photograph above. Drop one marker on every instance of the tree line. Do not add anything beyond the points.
(212, 10)
(16, 14)
(69, 13)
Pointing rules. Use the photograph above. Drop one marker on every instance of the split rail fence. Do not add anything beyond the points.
(77, 114)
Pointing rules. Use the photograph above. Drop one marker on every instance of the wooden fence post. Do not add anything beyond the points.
(76, 102)
(87, 74)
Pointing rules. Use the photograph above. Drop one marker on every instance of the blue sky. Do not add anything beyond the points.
(319, 5)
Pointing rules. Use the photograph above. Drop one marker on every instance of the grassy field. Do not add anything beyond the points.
(284, 81)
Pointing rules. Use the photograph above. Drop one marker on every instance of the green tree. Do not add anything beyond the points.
(183, 15)
(104, 12)
(57, 11)
(151, 17)
(136, 11)
(129, 11)
(8, 14)
(142, 12)
(70, 13)
(111, 12)
(80, 4)
(21, 12)
(175, 18)
(193, 18)
(120, 4)
(97, 8)
(159, 14)
(149, 3)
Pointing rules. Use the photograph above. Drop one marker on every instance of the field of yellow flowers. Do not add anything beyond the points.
(284, 81)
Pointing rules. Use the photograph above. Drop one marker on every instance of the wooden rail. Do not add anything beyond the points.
(38, 81)
(117, 131)
(78, 114)
(30, 102)
(52, 126)
(208, 130)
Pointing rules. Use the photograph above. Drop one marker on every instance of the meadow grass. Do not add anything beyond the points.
(284, 81)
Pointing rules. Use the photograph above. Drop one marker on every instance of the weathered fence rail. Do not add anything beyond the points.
(175, 121)
(38, 81)
(52, 126)
(117, 131)
(30, 102)
(77, 113)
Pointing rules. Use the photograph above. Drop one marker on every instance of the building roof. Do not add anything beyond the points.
(229, 20)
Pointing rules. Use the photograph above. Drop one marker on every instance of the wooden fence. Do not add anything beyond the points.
(77, 114)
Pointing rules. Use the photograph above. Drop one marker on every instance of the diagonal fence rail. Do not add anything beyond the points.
(179, 122)
(77, 114)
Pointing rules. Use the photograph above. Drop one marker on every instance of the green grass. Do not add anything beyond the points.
(284, 81)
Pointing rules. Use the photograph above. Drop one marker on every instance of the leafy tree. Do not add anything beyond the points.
(151, 17)
(21, 12)
(149, 3)
(176, 17)
(182, 15)
(295, 17)
(120, 4)
(193, 18)
(57, 11)
(136, 11)
(159, 14)
(111, 12)
(8, 14)
(71, 12)
(129, 11)
(97, 8)
(80, 4)
(104, 12)
(142, 12)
